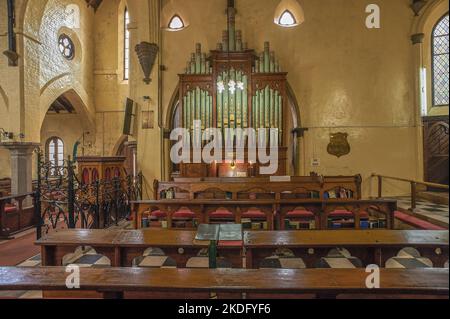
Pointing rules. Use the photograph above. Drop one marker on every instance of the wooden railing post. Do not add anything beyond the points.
(413, 196)
(380, 186)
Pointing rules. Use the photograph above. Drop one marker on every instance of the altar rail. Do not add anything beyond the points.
(119, 283)
(16, 214)
(413, 184)
(313, 187)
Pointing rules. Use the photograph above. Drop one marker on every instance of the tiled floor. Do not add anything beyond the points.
(429, 211)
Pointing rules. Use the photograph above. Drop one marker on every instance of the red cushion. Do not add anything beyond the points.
(257, 214)
(158, 214)
(221, 214)
(416, 222)
(185, 214)
(341, 213)
(300, 214)
(10, 209)
(364, 214)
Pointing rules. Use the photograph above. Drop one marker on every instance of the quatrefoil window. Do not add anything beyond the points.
(66, 46)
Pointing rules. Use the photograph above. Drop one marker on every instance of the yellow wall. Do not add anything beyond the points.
(347, 78)
(65, 126)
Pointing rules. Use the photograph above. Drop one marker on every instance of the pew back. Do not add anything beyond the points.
(116, 282)
(306, 187)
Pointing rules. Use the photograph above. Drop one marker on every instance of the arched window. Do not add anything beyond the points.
(55, 153)
(440, 61)
(126, 53)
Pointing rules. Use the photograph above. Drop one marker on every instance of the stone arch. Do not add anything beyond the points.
(119, 145)
(78, 98)
(433, 10)
(39, 94)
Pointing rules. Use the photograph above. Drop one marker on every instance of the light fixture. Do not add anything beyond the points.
(289, 14)
(173, 18)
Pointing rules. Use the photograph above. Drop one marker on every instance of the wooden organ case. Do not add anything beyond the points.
(234, 88)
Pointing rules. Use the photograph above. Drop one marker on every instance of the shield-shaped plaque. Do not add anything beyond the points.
(339, 145)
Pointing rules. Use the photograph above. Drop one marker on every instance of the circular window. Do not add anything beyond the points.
(66, 46)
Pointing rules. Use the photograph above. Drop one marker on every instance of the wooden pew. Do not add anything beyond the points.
(122, 246)
(5, 187)
(275, 210)
(261, 188)
(191, 284)
(371, 247)
(15, 217)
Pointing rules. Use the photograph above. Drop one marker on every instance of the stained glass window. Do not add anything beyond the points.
(66, 46)
(126, 53)
(440, 53)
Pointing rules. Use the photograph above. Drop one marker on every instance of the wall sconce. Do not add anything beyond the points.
(289, 14)
(172, 17)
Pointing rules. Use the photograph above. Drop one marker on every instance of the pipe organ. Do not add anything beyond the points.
(232, 88)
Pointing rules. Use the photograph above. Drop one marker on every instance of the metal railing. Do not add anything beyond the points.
(62, 200)
(413, 185)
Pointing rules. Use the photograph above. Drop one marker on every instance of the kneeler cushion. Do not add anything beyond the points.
(159, 214)
(221, 214)
(254, 214)
(300, 214)
(184, 214)
(363, 214)
(10, 208)
(341, 213)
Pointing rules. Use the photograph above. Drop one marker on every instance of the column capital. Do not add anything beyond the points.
(20, 147)
(417, 38)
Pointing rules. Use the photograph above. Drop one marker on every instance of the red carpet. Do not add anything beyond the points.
(18, 250)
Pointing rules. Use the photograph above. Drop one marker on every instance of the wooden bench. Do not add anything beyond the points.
(5, 187)
(121, 247)
(371, 247)
(273, 211)
(191, 284)
(14, 216)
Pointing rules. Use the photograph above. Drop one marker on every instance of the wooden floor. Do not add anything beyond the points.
(15, 251)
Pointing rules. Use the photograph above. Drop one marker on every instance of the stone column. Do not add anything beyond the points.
(21, 167)
(417, 42)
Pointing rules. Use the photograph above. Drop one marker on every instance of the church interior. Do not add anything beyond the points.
(224, 149)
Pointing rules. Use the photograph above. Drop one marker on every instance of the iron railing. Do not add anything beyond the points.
(63, 201)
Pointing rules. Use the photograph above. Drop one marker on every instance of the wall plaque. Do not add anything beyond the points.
(339, 145)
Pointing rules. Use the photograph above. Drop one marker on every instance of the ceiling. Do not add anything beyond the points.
(61, 106)
(94, 3)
